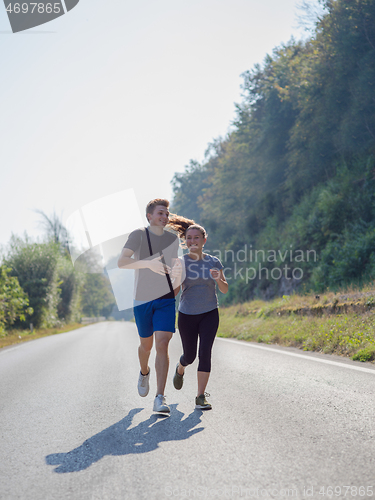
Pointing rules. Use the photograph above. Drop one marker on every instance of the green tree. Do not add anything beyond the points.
(70, 279)
(297, 168)
(97, 297)
(14, 301)
(35, 265)
(54, 229)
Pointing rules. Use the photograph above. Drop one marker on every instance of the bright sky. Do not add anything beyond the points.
(120, 95)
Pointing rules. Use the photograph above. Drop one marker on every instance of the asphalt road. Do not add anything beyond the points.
(284, 424)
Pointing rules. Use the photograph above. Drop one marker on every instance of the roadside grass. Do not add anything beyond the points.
(308, 322)
(350, 298)
(12, 337)
(350, 334)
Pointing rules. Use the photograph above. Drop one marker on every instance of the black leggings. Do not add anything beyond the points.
(190, 326)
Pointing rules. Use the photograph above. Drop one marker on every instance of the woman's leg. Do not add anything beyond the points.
(202, 382)
(188, 328)
(207, 332)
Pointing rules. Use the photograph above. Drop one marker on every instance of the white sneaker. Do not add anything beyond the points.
(143, 384)
(160, 405)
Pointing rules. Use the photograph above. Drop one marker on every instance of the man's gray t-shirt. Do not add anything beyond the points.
(149, 285)
(199, 288)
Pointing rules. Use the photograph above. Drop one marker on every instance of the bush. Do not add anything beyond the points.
(97, 297)
(366, 354)
(35, 265)
(13, 300)
(70, 281)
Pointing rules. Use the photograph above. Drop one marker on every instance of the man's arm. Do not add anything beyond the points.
(126, 261)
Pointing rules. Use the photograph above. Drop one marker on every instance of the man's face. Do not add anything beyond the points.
(159, 217)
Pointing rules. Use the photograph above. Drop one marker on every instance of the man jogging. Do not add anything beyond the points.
(153, 252)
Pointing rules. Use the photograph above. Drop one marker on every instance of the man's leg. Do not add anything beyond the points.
(144, 351)
(143, 319)
(162, 359)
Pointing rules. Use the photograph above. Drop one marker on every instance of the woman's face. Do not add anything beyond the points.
(195, 240)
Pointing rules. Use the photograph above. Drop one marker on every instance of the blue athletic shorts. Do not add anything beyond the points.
(156, 315)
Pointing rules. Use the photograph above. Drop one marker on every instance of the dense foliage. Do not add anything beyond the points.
(36, 268)
(297, 171)
(97, 297)
(42, 275)
(13, 300)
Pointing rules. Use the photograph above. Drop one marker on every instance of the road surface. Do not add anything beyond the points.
(284, 423)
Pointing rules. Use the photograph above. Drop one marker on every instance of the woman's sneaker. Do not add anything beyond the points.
(160, 404)
(201, 402)
(143, 384)
(178, 380)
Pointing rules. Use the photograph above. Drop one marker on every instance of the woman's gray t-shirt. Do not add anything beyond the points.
(198, 288)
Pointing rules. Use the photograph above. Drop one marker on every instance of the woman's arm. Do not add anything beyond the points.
(219, 277)
(177, 275)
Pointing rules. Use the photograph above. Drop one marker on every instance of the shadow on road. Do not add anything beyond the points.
(119, 440)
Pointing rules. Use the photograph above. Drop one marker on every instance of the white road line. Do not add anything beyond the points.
(11, 348)
(256, 346)
(311, 358)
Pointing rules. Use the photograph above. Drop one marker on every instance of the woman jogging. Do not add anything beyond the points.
(198, 309)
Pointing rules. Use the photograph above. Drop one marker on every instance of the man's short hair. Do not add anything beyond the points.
(154, 203)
